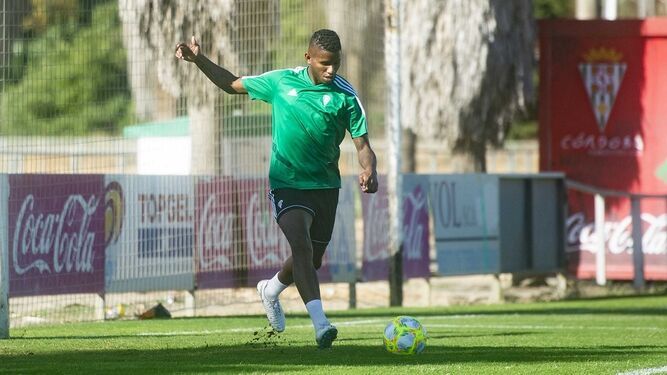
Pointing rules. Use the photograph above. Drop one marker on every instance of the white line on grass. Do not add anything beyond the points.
(382, 322)
(533, 326)
(646, 371)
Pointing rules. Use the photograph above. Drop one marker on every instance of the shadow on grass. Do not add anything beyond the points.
(625, 305)
(360, 337)
(615, 305)
(248, 358)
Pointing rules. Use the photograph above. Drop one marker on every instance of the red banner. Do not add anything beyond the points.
(602, 85)
(266, 246)
(56, 234)
(218, 249)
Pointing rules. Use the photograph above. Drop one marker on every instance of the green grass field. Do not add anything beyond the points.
(599, 336)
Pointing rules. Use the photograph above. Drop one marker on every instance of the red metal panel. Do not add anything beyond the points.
(602, 122)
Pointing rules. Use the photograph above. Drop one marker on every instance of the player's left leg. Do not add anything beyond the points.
(292, 224)
(325, 203)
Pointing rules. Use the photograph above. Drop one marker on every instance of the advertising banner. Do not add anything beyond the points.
(416, 230)
(56, 234)
(340, 258)
(219, 254)
(266, 246)
(465, 222)
(602, 122)
(4, 259)
(152, 222)
(415, 224)
(375, 210)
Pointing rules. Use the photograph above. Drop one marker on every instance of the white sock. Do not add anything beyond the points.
(316, 313)
(274, 287)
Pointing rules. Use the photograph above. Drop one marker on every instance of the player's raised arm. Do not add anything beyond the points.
(222, 77)
(368, 179)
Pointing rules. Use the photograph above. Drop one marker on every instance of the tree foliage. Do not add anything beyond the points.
(46, 13)
(553, 8)
(75, 80)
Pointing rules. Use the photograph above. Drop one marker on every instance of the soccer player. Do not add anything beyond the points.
(312, 108)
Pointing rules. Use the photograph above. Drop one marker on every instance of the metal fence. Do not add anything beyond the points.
(92, 98)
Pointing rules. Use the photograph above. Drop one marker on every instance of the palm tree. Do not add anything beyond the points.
(151, 30)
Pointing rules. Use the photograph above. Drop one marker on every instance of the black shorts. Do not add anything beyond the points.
(321, 203)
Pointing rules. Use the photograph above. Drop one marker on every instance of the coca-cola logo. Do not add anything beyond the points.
(266, 245)
(416, 220)
(214, 240)
(376, 228)
(55, 242)
(581, 235)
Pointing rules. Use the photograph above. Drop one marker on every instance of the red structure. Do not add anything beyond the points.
(603, 121)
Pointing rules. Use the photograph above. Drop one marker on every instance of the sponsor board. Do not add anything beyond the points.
(602, 123)
(56, 234)
(219, 256)
(465, 221)
(150, 228)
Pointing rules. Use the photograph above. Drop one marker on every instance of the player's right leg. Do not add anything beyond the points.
(269, 297)
(269, 290)
(295, 224)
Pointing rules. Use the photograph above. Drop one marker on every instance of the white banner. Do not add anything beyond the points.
(465, 216)
(149, 229)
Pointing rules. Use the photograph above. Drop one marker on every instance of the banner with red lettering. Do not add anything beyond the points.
(153, 225)
(416, 232)
(56, 234)
(415, 225)
(219, 254)
(602, 123)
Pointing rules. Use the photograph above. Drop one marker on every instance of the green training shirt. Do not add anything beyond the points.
(309, 123)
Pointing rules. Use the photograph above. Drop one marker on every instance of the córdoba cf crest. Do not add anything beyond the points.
(602, 74)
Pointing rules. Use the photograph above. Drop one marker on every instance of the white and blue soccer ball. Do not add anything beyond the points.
(405, 335)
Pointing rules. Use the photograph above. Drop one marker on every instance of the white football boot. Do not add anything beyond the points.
(325, 336)
(274, 312)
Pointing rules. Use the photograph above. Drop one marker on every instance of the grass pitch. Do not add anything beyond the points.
(599, 336)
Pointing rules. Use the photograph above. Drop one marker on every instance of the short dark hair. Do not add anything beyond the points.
(326, 39)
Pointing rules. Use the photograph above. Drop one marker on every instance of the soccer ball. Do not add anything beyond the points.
(405, 335)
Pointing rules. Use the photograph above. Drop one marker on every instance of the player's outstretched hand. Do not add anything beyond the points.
(368, 181)
(188, 52)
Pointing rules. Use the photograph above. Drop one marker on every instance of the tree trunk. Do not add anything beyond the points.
(467, 71)
(203, 134)
(152, 29)
(408, 151)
